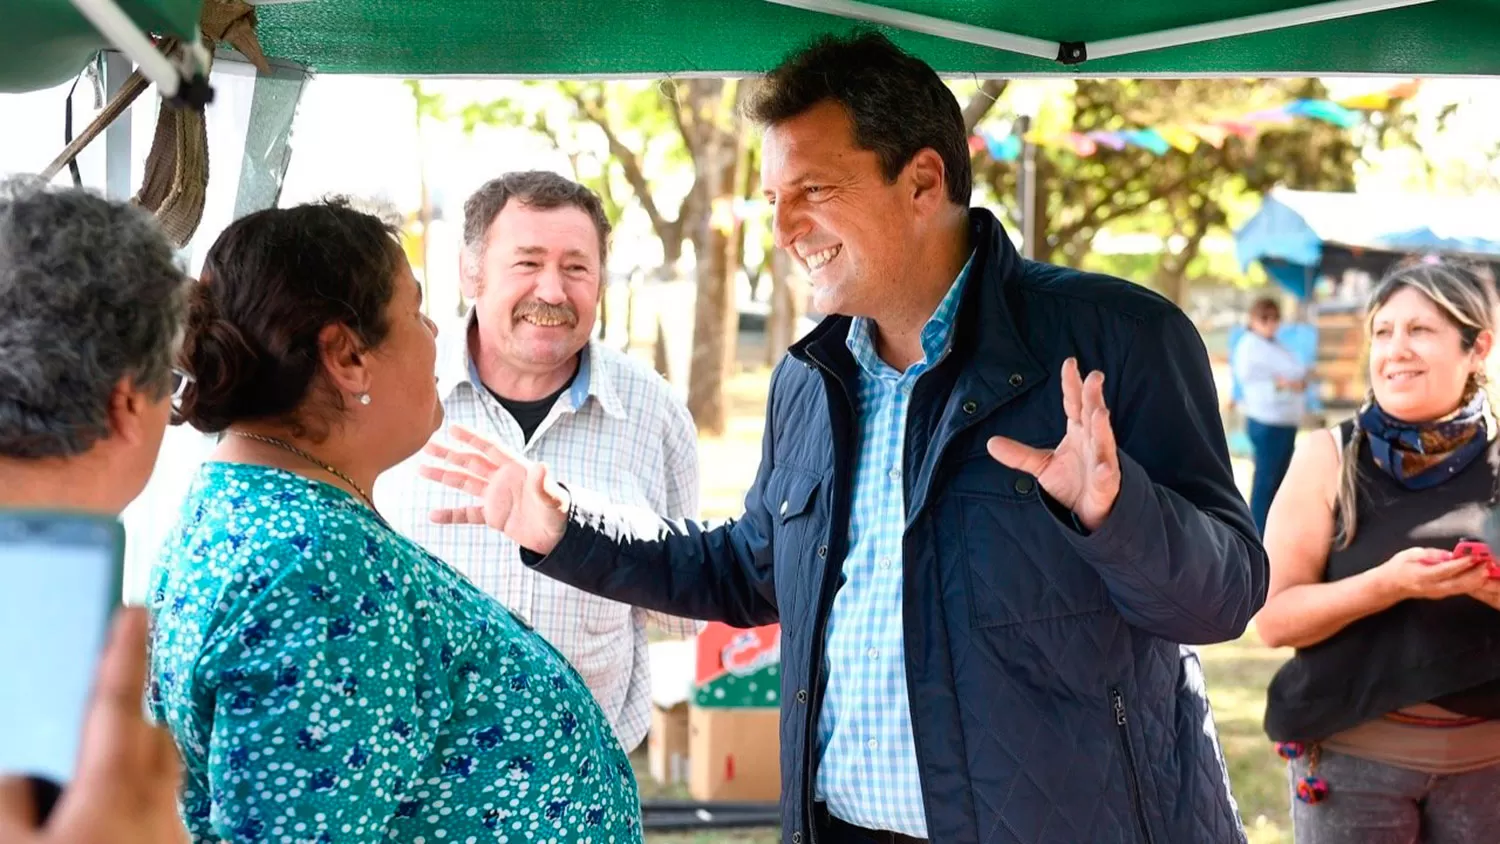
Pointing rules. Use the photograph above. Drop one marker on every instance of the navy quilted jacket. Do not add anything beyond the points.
(1052, 698)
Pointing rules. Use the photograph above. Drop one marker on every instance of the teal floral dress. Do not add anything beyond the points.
(327, 680)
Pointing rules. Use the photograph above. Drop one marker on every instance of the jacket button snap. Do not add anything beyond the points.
(1024, 485)
(796, 838)
(822, 550)
(970, 406)
(1016, 379)
(802, 695)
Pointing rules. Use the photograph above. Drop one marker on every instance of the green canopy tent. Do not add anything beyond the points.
(44, 42)
(985, 37)
(47, 42)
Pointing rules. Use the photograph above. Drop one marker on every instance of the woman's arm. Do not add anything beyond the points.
(1301, 609)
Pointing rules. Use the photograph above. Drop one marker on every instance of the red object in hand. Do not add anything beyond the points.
(1480, 552)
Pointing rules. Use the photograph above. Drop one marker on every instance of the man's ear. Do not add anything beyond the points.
(926, 176)
(469, 267)
(128, 413)
(344, 359)
(132, 414)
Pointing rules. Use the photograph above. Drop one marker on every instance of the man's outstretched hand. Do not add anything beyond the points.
(512, 494)
(1083, 472)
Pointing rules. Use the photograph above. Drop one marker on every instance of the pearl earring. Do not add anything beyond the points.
(364, 398)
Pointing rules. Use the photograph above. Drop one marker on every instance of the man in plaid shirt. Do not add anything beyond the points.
(522, 369)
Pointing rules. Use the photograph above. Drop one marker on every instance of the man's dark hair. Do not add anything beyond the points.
(897, 103)
(540, 189)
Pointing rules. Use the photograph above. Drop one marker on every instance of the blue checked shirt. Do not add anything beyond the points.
(867, 772)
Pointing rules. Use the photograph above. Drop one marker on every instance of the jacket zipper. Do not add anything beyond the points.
(1131, 777)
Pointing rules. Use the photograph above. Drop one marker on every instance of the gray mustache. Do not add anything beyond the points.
(537, 309)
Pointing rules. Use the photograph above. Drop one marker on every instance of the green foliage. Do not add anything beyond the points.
(430, 105)
(1191, 195)
(612, 132)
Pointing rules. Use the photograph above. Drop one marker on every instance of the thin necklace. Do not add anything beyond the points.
(283, 444)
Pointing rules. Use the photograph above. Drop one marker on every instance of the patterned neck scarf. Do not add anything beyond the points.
(1421, 455)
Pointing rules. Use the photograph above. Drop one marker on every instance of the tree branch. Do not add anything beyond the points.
(1100, 214)
(982, 101)
(629, 161)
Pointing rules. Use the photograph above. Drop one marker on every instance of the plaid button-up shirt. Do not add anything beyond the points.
(618, 431)
(868, 768)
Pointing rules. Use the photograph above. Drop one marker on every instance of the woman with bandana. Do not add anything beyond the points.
(1389, 711)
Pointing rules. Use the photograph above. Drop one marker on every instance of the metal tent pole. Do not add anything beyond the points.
(1318, 13)
(185, 83)
(871, 13)
(117, 152)
(1027, 184)
(1075, 52)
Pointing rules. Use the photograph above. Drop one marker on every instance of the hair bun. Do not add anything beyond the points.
(219, 358)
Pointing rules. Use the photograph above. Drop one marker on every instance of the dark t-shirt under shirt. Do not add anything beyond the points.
(530, 414)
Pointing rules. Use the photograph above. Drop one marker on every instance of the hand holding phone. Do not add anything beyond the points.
(1480, 552)
(63, 574)
(124, 790)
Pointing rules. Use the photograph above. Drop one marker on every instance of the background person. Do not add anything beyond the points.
(1391, 701)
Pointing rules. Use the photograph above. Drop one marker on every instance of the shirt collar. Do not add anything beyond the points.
(937, 333)
(456, 368)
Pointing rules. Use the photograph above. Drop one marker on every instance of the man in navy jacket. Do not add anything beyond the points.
(985, 565)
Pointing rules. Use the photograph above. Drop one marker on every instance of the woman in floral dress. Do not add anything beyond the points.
(326, 679)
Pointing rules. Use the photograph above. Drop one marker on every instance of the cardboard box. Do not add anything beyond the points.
(667, 744)
(734, 753)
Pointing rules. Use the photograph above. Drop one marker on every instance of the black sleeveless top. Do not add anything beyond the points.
(1445, 652)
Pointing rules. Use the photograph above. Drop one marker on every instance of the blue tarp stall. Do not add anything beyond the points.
(1301, 236)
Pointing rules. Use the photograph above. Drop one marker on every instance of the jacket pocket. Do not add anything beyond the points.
(798, 513)
(1132, 770)
(1020, 568)
(798, 492)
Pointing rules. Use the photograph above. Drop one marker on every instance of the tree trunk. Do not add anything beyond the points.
(719, 162)
(1045, 249)
(659, 357)
(1172, 283)
(786, 307)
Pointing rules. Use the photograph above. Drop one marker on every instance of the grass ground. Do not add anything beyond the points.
(1238, 672)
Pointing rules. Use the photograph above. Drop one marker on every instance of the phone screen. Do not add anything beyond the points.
(62, 585)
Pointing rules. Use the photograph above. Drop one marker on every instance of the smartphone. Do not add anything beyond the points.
(1479, 551)
(62, 586)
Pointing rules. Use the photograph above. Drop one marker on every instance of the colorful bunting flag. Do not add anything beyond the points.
(1006, 148)
(1180, 138)
(1186, 137)
(1147, 139)
(1113, 140)
(1083, 145)
(1327, 111)
(1214, 136)
(1276, 115)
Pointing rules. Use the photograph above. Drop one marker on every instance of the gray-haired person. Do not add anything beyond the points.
(91, 306)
